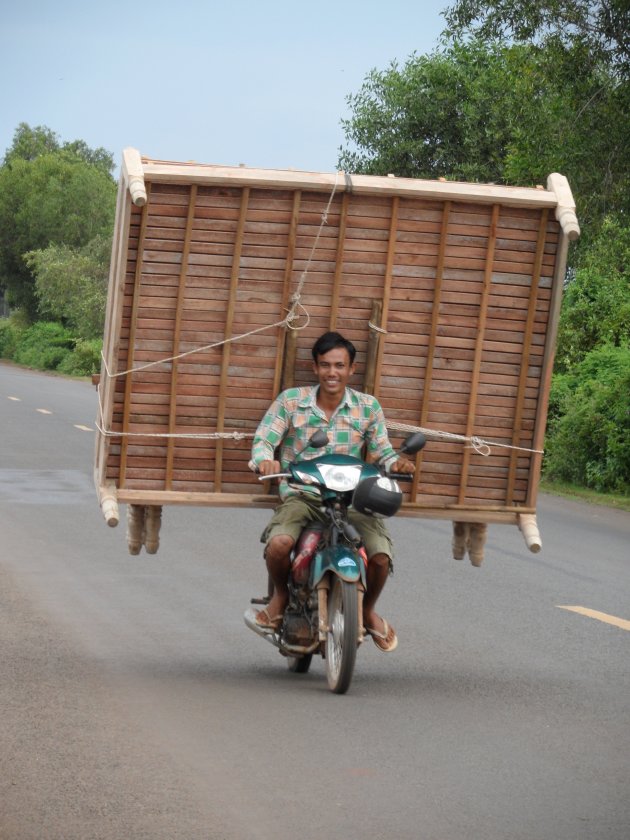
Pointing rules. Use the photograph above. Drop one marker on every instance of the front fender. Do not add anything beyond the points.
(342, 560)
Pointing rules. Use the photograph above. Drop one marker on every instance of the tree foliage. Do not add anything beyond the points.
(596, 306)
(49, 196)
(71, 284)
(29, 143)
(589, 432)
(499, 114)
(599, 28)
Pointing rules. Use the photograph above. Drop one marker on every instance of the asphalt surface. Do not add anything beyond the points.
(134, 702)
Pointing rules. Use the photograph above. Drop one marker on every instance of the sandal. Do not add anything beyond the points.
(386, 641)
(266, 621)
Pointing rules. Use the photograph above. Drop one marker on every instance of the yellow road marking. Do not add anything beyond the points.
(43, 411)
(600, 616)
(83, 428)
(15, 399)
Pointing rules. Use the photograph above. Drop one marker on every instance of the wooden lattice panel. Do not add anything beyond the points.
(450, 293)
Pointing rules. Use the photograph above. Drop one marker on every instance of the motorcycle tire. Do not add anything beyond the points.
(300, 664)
(343, 635)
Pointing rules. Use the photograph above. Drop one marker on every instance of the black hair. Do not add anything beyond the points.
(329, 341)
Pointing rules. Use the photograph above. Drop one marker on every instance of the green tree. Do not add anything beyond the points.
(601, 27)
(596, 305)
(29, 143)
(56, 198)
(588, 441)
(71, 284)
(496, 113)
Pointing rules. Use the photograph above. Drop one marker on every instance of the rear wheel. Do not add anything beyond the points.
(343, 634)
(300, 664)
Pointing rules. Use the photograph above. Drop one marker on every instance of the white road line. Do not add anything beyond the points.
(82, 428)
(15, 399)
(600, 616)
(43, 411)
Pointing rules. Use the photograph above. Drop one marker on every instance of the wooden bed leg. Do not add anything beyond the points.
(153, 521)
(529, 528)
(136, 515)
(469, 537)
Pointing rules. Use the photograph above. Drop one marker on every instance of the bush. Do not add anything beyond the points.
(588, 440)
(44, 346)
(11, 330)
(84, 360)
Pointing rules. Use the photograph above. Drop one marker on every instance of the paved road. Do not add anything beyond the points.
(135, 703)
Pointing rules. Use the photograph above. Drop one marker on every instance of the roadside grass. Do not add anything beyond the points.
(585, 494)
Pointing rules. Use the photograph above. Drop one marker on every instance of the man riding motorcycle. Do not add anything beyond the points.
(352, 420)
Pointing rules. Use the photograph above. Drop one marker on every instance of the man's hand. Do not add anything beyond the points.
(269, 467)
(402, 465)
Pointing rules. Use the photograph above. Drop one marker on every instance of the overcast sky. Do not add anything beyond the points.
(259, 83)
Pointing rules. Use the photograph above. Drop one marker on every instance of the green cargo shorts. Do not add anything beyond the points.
(295, 512)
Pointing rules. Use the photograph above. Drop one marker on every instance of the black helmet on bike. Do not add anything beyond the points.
(378, 496)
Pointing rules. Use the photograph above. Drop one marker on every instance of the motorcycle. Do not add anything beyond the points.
(327, 578)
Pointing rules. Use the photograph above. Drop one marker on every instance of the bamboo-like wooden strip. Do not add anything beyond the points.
(468, 513)
(225, 361)
(547, 371)
(526, 354)
(290, 355)
(164, 172)
(374, 341)
(435, 321)
(387, 286)
(481, 329)
(131, 346)
(283, 332)
(334, 303)
(181, 297)
(113, 319)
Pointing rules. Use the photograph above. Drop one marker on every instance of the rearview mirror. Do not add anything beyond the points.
(413, 443)
(318, 440)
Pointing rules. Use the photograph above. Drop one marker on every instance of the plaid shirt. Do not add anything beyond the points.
(294, 416)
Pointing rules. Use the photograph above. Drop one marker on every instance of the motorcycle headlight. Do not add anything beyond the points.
(340, 478)
(304, 477)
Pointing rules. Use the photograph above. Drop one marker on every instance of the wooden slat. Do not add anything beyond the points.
(181, 297)
(225, 361)
(387, 287)
(280, 369)
(362, 185)
(132, 332)
(481, 328)
(435, 321)
(526, 356)
(112, 330)
(547, 372)
(341, 239)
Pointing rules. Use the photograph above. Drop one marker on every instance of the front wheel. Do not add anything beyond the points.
(343, 634)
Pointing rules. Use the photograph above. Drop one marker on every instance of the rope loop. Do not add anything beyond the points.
(481, 446)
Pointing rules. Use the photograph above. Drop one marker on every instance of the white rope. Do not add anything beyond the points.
(376, 329)
(108, 433)
(481, 446)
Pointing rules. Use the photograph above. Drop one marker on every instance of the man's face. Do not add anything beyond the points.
(333, 370)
